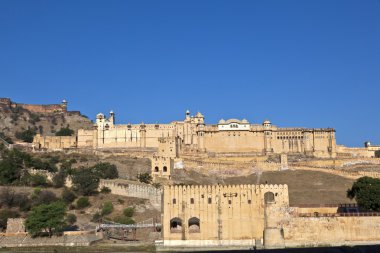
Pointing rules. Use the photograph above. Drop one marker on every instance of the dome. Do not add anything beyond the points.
(244, 121)
(199, 115)
(100, 116)
(222, 121)
(187, 112)
(266, 122)
(111, 112)
(64, 101)
(233, 121)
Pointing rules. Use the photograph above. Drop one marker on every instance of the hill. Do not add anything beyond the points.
(43, 119)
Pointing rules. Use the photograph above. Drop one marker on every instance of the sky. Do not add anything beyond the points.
(297, 63)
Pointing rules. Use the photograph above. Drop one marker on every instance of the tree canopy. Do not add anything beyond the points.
(366, 191)
(85, 181)
(48, 218)
(64, 131)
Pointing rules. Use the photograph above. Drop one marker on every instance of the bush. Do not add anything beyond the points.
(37, 180)
(105, 170)
(64, 131)
(105, 190)
(68, 196)
(83, 202)
(26, 135)
(71, 219)
(120, 201)
(9, 198)
(129, 211)
(144, 178)
(59, 179)
(6, 138)
(43, 197)
(96, 217)
(124, 220)
(107, 208)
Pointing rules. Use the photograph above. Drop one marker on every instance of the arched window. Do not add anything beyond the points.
(156, 169)
(165, 169)
(269, 197)
(175, 225)
(194, 225)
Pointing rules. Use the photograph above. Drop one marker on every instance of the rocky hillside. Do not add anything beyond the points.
(16, 119)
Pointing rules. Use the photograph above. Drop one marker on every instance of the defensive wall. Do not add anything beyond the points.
(126, 188)
(257, 215)
(49, 108)
(118, 187)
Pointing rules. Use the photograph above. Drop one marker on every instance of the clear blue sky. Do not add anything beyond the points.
(297, 63)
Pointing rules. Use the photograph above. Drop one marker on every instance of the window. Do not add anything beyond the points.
(192, 201)
(269, 197)
(229, 202)
(156, 169)
(194, 225)
(249, 201)
(165, 169)
(175, 225)
(174, 201)
(209, 200)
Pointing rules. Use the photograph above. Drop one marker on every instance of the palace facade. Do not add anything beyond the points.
(193, 135)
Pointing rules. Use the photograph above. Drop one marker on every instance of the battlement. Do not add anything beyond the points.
(259, 187)
(35, 108)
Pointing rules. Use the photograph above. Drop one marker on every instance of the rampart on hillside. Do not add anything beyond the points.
(49, 108)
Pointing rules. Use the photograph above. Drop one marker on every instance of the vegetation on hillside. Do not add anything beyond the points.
(64, 131)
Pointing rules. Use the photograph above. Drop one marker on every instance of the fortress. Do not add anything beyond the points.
(247, 216)
(193, 135)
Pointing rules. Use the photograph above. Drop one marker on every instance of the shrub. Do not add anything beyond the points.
(64, 131)
(37, 180)
(96, 217)
(120, 201)
(144, 178)
(71, 218)
(68, 196)
(366, 191)
(107, 208)
(26, 135)
(105, 170)
(59, 179)
(129, 211)
(6, 138)
(105, 190)
(83, 202)
(43, 197)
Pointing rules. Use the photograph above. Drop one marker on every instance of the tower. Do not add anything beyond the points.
(267, 125)
(64, 105)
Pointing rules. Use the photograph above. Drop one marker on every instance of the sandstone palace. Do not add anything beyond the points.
(193, 135)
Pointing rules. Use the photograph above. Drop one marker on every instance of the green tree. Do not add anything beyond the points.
(26, 135)
(85, 182)
(48, 218)
(366, 191)
(144, 178)
(106, 170)
(12, 164)
(64, 131)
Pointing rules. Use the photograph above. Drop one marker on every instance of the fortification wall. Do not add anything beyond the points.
(129, 189)
(52, 108)
(323, 231)
(55, 142)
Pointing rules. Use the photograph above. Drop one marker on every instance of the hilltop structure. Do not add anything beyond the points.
(193, 135)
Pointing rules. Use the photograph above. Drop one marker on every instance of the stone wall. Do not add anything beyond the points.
(126, 188)
(15, 226)
(326, 231)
